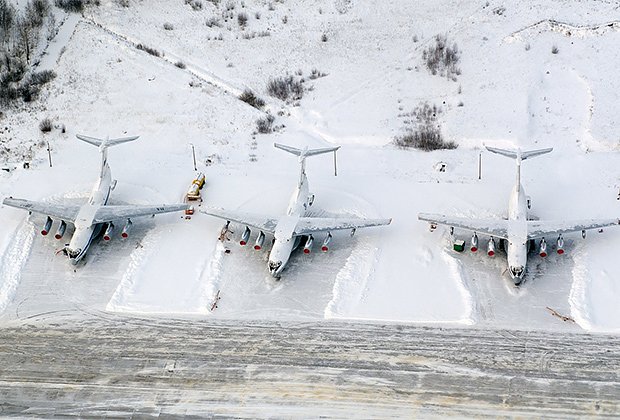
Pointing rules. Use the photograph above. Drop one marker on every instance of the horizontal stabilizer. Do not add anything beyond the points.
(105, 142)
(305, 152)
(518, 154)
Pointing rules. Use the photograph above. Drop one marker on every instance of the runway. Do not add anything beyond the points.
(109, 365)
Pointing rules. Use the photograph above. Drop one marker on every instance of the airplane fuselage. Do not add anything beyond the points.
(85, 229)
(284, 240)
(516, 250)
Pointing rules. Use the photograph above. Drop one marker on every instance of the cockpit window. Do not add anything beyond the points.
(517, 271)
(72, 253)
(274, 266)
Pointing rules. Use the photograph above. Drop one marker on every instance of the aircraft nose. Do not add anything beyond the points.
(274, 267)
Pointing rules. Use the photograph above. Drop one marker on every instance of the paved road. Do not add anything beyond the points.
(118, 366)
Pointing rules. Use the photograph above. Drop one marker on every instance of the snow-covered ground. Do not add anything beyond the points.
(513, 91)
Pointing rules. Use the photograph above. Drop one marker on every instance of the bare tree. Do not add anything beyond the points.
(7, 20)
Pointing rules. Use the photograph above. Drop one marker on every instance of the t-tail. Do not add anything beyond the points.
(519, 155)
(303, 154)
(103, 145)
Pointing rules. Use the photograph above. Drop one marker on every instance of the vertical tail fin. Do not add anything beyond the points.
(519, 156)
(103, 145)
(303, 154)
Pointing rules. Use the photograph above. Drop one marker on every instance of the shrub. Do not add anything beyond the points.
(168, 26)
(213, 21)
(180, 64)
(555, 49)
(45, 125)
(265, 125)
(251, 99)
(324, 38)
(442, 59)
(30, 88)
(285, 88)
(242, 19)
(42, 77)
(29, 92)
(76, 6)
(316, 73)
(195, 4)
(149, 50)
(8, 94)
(426, 132)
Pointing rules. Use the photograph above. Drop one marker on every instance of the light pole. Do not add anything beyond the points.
(49, 153)
(194, 155)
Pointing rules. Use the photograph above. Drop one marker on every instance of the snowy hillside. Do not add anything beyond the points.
(530, 75)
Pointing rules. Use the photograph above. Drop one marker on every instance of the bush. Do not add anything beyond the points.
(180, 64)
(76, 6)
(426, 132)
(250, 98)
(442, 59)
(45, 125)
(30, 88)
(29, 92)
(42, 77)
(168, 26)
(265, 125)
(242, 19)
(316, 73)
(213, 21)
(8, 94)
(195, 4)
(149, 50)
(555, 49)
(285, 88)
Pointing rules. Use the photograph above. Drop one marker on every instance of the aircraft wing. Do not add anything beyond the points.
(308, 225)
(492, 227)
(257, 221)
(540, 228)
(67, 212)
(110, 213)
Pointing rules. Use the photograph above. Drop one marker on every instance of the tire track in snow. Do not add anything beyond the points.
(352, 279)
(566, 29)
(131, 278)
(13, 259)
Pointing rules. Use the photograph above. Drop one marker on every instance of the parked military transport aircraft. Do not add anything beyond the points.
(91, 218)
(519, 232)
(291, 229)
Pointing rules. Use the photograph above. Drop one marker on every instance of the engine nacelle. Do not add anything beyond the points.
(259, 241)
(326, 242)
(107, 235)
(491, 248)
(560, 245)
(61, 230)
(474, 243)
(126, 229)
(47, 227)
(543, 248)
(308, 245)
(245, 236)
